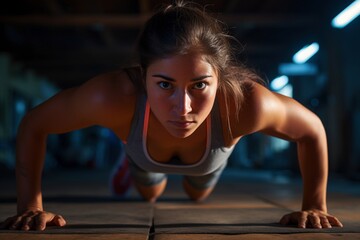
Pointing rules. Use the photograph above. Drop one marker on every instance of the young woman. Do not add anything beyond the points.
(181, 111)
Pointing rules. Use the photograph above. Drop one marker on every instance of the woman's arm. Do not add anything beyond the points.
(283, 117)
(107, 100)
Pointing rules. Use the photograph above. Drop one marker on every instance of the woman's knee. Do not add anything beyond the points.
(153, 192)
(195, 194)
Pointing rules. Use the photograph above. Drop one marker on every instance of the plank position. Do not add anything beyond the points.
(181, 111)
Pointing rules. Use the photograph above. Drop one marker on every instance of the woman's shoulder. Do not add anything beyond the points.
(111, 94)
(122, 79)
(113, 87)
(256, 107)
(106, 100)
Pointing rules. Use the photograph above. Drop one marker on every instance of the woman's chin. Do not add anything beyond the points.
(181, 133)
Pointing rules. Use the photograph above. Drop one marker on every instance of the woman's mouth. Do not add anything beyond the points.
(181, 124)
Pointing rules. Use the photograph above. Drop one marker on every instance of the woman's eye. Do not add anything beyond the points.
(165, 85)
(200, 85)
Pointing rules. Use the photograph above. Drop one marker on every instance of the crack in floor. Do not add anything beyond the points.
(151, 235)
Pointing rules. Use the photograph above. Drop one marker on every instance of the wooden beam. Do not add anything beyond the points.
(144, 6)
(53, 6)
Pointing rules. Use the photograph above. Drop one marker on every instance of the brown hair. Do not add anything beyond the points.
(182, 28)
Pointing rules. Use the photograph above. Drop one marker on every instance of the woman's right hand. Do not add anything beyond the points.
(33, 220)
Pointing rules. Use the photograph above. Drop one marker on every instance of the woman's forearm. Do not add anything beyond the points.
(30, 154)
(313, 160)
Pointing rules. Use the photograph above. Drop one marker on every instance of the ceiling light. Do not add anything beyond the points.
(305, 53)
(294, 69)
(279, 82)
(347, 15)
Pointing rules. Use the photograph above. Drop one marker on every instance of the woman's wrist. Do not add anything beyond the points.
(314, 206)
(34, 205)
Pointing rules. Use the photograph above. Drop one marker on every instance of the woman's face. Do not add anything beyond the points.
(181, 92)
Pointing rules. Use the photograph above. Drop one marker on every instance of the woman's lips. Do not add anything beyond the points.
(181, 124)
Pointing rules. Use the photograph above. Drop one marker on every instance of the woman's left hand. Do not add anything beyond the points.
(311, 218)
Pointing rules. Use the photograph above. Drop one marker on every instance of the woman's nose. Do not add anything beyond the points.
(183, 103)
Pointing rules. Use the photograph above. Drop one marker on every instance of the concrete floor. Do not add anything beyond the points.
(245, 205)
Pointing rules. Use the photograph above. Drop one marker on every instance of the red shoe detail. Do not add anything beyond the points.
(121, 179)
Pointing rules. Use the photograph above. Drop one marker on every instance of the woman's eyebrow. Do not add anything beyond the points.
(201, 78)
(173, 80)
(164, 77)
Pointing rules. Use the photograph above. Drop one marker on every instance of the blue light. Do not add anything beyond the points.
(294, 69)
(287, 90)
(347, 15)
(306, 53)
(279, 82)
(20, 107)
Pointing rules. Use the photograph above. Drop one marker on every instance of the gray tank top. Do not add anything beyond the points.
(215, 156)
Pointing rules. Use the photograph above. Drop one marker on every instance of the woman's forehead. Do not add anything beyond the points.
(189, 62)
